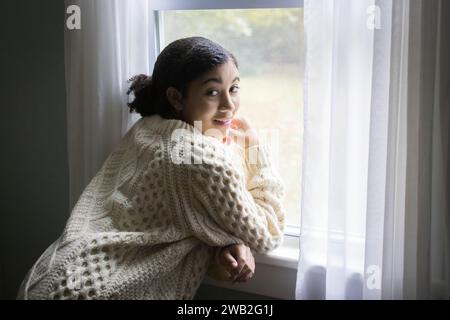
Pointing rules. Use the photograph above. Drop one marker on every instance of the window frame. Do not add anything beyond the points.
(277, 270)
(155, 5)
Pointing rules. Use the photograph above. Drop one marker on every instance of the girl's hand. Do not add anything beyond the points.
(242, 132)
(239, 262)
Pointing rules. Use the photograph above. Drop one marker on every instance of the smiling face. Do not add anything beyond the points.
(213, 99)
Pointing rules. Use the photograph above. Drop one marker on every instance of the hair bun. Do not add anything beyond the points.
(139, 82)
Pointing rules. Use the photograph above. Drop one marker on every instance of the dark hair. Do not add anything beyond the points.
(177, 65)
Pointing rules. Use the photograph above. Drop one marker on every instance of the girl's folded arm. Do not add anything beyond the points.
(249, 210)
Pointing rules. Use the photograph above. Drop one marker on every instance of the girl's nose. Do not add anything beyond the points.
(227, 104)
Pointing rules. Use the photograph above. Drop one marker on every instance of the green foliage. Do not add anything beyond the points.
(261, 39)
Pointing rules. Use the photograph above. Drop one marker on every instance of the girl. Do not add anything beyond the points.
(177, 199)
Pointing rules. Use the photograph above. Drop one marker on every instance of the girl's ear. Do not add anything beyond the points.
(175, 98)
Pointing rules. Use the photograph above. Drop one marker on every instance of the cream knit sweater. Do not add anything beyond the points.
(149, 222)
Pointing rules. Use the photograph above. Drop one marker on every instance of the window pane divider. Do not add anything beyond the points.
(158, 19)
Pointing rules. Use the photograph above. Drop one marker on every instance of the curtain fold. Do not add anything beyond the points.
(113, 44)
(366, 224)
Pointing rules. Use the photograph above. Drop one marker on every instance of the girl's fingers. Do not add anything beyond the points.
(238, 270)
(236, 123)
(247, 276)
(228, 260)
(234, 132)
(238, 275)
(237, 136)
(244, 275)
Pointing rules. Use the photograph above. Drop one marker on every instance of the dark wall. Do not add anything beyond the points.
(34, 174)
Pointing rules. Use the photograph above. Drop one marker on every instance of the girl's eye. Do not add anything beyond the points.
(210, 92)
(234, 89)
(237, 88)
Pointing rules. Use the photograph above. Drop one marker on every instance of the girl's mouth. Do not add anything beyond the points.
(224, 123)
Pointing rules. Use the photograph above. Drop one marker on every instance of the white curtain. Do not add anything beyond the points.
(361, 188)
(115, 42)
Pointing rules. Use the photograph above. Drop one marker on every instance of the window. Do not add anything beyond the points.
(268, 43)
(267, 38)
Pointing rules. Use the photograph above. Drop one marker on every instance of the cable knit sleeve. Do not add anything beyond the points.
(246, 205)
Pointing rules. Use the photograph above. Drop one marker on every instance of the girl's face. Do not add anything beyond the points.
(213, 99)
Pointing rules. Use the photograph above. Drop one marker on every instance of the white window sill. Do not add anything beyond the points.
(275, 272)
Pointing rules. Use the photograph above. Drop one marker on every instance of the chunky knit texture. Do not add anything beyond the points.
(148, 224)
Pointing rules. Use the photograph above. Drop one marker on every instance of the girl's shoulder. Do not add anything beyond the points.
(176, 143)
